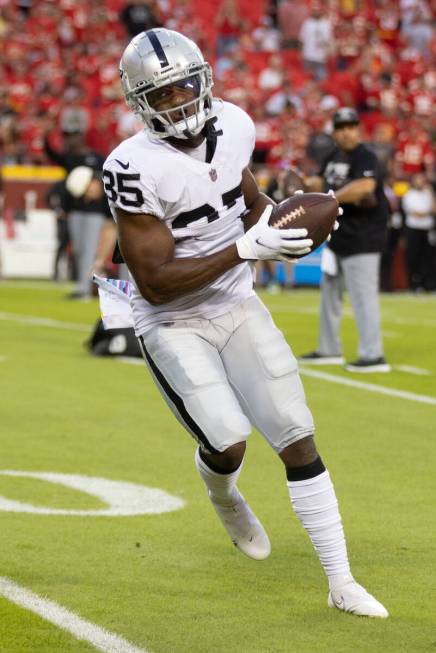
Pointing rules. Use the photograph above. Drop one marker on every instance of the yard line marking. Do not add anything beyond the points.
(371, 387)
(81, 629)
(419, 371)
(122, 499)
(44, 321)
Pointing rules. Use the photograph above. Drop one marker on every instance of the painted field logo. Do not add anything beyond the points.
(122, 499)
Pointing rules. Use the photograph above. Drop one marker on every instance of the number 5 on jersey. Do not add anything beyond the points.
(119, 185)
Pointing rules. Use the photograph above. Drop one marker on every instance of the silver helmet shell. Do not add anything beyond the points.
(159, 57)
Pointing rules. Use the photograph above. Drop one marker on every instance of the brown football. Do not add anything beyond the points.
(315, 212)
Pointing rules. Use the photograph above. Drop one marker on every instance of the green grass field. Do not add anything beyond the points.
(172, 582)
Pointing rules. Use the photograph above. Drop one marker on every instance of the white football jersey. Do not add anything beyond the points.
(201, 203)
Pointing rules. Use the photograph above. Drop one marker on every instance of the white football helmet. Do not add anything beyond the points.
(161, 57)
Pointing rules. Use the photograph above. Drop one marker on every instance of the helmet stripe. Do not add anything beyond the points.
(158, 49)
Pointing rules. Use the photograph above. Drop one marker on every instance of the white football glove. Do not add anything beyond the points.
(263, 242)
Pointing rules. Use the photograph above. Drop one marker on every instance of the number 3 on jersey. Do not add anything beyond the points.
(119, 186)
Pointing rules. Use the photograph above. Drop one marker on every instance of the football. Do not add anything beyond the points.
(315, 212)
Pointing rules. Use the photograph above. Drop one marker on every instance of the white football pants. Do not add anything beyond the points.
(221, 376)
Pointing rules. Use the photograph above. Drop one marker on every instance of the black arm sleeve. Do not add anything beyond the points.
(67, 201)
(56, 156)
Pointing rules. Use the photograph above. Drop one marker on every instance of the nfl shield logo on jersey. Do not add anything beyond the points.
(213, 174)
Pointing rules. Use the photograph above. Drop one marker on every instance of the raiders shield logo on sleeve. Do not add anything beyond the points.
(213, 174)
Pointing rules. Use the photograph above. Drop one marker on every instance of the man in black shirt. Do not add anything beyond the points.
(352, 258)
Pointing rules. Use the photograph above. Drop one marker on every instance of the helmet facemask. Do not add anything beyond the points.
(181, 121)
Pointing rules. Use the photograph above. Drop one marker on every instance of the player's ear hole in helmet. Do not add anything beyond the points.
(164, 59)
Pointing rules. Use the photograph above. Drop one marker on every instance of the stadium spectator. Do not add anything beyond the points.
(350, 37)
(267, 133)
(271, 77)
(387, 18)
(210, 343)
(316, 41)
(229, 26)
(354, 252)
(290, 15)
(413, 152)
(283, 97)
(24, 7)
(10, 143)
(266, 37)
(139, 15)
(416, 20)
(419, 209)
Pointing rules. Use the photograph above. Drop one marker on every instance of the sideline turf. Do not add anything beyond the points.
(172, 583)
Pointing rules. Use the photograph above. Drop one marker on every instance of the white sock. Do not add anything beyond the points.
(222, 487)
(315, 504)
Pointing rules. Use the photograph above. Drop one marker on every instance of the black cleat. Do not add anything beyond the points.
(369, 365)
(315, 358)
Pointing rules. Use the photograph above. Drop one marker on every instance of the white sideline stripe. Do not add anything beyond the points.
(419, 371)
(348, 313)
(408, 297)
(409, 321)
(44, 321)
(371, 387)
(81, 629)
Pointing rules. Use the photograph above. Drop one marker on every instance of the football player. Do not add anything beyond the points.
(191, 221)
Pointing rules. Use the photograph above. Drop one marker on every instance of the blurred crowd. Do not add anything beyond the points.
(289, 63)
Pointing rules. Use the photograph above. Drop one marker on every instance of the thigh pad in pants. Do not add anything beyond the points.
(264, 373)
(191, 377)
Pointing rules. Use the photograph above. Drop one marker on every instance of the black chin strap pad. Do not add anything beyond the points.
(211, 138)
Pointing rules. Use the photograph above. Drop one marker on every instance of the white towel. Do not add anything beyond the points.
(329, 263)
(115, 309)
